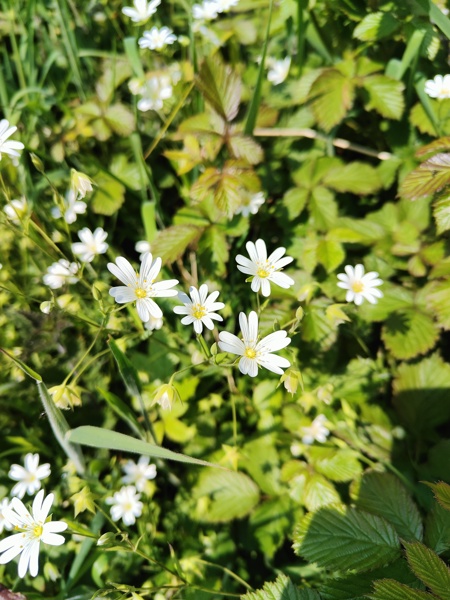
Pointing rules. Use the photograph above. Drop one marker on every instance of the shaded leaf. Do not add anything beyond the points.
(389, 589)
(437, 529)
(437, 298)
(441, 493)
(281, 589)
(408, 333)
(220, 86)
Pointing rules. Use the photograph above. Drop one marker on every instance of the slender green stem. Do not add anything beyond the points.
(204, 346)
(86, 353)
(228, 572)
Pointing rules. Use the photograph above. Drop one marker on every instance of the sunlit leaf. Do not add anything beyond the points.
(171, 243)
(431, 176)
(376, 26)
(332, 95)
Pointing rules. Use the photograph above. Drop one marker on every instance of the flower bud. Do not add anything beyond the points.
(65, 396)
(80, 183)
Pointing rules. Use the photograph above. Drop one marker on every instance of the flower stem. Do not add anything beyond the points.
(204, 346)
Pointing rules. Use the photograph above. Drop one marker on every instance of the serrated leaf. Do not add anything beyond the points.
(316, 327)
(430, 177)
(420, 119)
(171, 243)
(395, 299)
(437, 299)
(330, 254)
(281, 589)
(437, 529)
(422, 393)
(120, 119)
(441, 213)
(384, 495)
(270, 523)
(385, 96)
(319, 492)
(260, 459)
(356, 177)
(109, 195)
(337, 465)
(245, 147)
(441, 493)
(221, 87)
(225, 496)
(126, 171)
(389, 589)
(408, 333)
(294, 200)
(428, 567)
(336, 315)
(213, 249)
(346, 539)
(332, 95)
(323, 208)
(376, 26)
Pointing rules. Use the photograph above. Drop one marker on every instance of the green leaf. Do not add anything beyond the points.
(389, 589)
(337, 465)
(221, 87)
(213, 249)
(346, 539)
(431, 176)
(441, 213)
(438, 302)
(420, 118)
(395, 299)
(260, 458)
(122, 411)
(97, 437)
(25, 368)
(225, 496)
(408, 333)
(319, 492)
(281, 589)
(437, 529)
(330, 254)
(422, 393)
(356, 177)
(376, 26)
(294, 200)
(384, 495)
(385, 96)
(323, 208)
(171, 243)
(109, 195)
(428, 567)
(270, 523)
(441, 493)
(332, 95)
(127, 172)
(316, 327)
(245, 147)
(120, 119)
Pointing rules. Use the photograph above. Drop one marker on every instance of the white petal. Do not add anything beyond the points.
(277, 254)
(25, 558)
(265, 287)
(122, 294)
(53, 539)
(261, 250)
(198, 326)
(253, 326)
(230, 343)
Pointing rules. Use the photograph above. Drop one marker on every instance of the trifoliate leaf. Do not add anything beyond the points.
(422, 393)
(384, 495)
(294, 200)
(281, 589)
(355, 177)
(344, 538)
(332, 95)
(171, 243)
(408, 333)
(225, 497)
(428, 567)
(376, 26)
(385, 96)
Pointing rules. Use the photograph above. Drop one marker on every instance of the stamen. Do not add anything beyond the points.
(250, 353)
(140, 292)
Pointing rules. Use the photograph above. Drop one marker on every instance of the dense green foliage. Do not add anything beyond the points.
(353, 159)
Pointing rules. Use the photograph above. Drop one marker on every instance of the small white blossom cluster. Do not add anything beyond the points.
(141, 10)
(30, 529)
(278, 69)
(157, 39)
(439, 87)
(152, 91)
(210, 9)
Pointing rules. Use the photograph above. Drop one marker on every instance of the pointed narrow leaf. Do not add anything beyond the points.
(428, 567)
(389, 589)
(25, 368)
(281, 589)
(220, 86)
(431, 176)
(441, 493)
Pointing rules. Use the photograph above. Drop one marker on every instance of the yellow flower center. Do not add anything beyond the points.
(250, 353)
(140, 292)
(198, 311)
(261, 272)
(38, 531)
(357, 286)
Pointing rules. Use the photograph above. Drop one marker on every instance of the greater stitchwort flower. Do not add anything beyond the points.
(255, 353)
(125, 505)
(264, 269)
(141, 10)
(81, 183)
(278, 70)
(207, 11)
(4, 523)
(439, 87)
(157, 39)
(250, 204)
(141, 287)
(360, 287)
(139, 473)
(142, 246)
(316, 432)
(16, 210)
(72, 208)
(29, 476)
(153, 91)
(32, 529)
(199, 308)
(60, 273)
(153, 324)
(92, 244)
(9, 147)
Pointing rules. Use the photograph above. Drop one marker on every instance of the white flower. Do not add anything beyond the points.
(278, 70)
(4, 523)
(316, 431)
(206, 11)
(11, 148)
(72, 208)
(153, 91)
(28, 477)
(140, 287)
(360, 287)
(199, 308)
(125, 505)
(439, 87)
(142, 247)
(264, 269)
(139, 473)
(251, 204)
(225, 5)
(141, 11)
(156, 39)
(16, 210)
(255, 353)
(33, 529)
(60, 273)
(81, 183)
(92, 244)
(153, 323)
